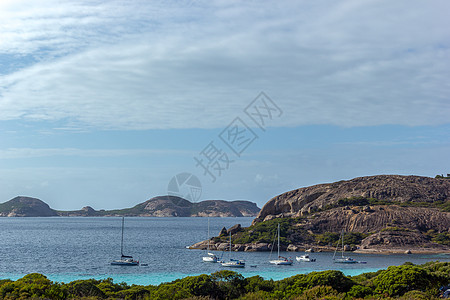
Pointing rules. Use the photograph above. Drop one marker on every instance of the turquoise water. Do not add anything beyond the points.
(67, 249)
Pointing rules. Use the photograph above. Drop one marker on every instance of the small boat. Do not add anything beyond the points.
(305, 258)
(343, 259)
(233, 263)
(125, 260)
(212, 258)
(281, 261)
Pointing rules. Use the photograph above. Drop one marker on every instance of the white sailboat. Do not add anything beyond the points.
(343, 259)
(211, 256)
(281, 260)
(125, 260)
(233, 263)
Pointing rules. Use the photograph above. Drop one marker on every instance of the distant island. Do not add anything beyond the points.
(161, 206)
(384, 213)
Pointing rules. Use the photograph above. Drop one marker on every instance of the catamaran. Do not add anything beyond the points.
(343, 259)
(233, 263)
(281, 260)
(211, 256)
(125, 260)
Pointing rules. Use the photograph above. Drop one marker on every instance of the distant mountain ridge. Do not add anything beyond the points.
(161, 206)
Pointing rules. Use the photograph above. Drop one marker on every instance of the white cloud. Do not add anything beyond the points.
(144, 65)
(17, 153)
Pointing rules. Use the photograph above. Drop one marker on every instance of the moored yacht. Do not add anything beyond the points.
(233, 263)
(281, 260)
(125, 260)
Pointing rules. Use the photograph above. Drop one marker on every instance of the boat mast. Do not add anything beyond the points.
(230, 244)
(278, 239)
(342, 244)
(337, 245)
(121, 243)
(208, 234)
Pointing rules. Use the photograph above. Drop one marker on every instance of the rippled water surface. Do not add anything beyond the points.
(70, 248)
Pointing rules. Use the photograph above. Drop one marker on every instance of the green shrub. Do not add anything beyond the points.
(442, 238)
(319, 292)
(400, 282)
(359, 291)
(257, 283)
(397, 280)
(85, 288)
(201, 285)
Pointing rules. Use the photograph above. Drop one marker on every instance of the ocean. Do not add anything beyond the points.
(71, 248)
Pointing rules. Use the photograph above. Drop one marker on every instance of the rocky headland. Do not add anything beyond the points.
(385, 213)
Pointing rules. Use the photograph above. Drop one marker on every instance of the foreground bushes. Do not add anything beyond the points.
(397, 282)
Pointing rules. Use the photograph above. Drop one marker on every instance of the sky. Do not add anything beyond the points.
(110, 103)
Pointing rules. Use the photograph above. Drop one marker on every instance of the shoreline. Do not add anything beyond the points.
(403, 251)
(266, 247)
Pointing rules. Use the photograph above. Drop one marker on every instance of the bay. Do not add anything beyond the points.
(70, 248)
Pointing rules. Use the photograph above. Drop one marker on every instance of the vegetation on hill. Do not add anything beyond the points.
(363, 201)
(290, 232)
(407, 281)
(442, 176)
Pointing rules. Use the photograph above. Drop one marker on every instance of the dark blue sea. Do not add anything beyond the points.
(71, 248)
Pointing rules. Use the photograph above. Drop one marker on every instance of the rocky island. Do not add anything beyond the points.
(161, 206)
(384, 213)
(26, 207)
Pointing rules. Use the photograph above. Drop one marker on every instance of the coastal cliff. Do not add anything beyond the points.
(378, 213)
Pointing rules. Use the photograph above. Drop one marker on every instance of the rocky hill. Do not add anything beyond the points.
(162, 206)
(395, 189)
(378, 213)
(26, 207)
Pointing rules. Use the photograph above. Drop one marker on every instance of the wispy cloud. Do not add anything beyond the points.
(144, 65)
(16, 153)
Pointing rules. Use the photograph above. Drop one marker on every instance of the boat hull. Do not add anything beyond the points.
(345, 261)
(124, 263)
(233, 265)
(210, 259)
(303, 259)
(281, 262)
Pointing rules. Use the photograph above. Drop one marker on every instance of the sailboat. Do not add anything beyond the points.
(125, 260)
(343, 259)
(211, 256)
(233, 263)
(280, 260)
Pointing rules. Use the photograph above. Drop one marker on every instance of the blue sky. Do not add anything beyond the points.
(103, 102)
